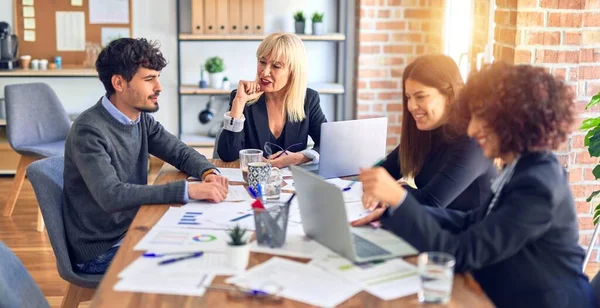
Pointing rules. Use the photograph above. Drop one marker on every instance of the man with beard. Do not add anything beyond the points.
(106, 157)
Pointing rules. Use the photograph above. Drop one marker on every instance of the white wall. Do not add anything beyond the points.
(156, 20)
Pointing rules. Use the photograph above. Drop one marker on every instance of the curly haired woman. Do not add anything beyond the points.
(523, 247)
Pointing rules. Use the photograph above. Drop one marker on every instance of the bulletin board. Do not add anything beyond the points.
(45, 44)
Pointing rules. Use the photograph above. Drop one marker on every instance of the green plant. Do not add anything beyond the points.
(592, 142)
(299, 17)
(225, 78)
(236, 234)
(214, 65)
(317, 17)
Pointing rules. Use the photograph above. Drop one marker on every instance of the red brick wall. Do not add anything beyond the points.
(564, 37)
(390, 34)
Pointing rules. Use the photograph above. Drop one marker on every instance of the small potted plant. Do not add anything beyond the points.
(238, 251)
(226, 83)
(215, 67)
(300, 22)
(317, 23)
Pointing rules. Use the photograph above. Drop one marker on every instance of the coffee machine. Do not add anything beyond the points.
(9, 46)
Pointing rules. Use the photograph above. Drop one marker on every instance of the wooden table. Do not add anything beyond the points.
(466, 292)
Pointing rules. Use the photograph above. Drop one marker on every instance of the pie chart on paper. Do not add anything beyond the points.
(204, 238)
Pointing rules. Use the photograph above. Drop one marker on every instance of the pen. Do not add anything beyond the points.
(159, 255)
(377, 164)
(241, 217)
(169, 261)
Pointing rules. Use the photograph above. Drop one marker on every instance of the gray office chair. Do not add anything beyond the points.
(596, 287)
(215, 154)
(46, 176)
(17, 288)
(37, 126)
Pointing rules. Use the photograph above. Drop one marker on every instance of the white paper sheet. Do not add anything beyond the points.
(285, 172)
(289, 185)
(28, 23)
(389, 280)
(77, 2)
(354, 194)
(298, 246)
(232, 174)
(28, 11)
(204, 215)
(178, 285)
(183, 240)
(29, 35)
(238, 193)
(110, 34)
(27, 2)
(311, 284)
(209, 262)
(70, 31)
(109, 11)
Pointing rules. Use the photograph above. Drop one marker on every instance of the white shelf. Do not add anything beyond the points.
(72, 71)
(198, 140)
(322, 88)
(256, 37)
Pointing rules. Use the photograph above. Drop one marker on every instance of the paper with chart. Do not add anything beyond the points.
(388, 280)
(170, 284)
(298, 246)
(205, 215)
(183, 240)
(311, 284)
(210, 262)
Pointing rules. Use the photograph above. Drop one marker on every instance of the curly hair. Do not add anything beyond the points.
(529, 109)
(124, 57)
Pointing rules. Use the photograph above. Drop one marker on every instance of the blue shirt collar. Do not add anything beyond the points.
(116, 113)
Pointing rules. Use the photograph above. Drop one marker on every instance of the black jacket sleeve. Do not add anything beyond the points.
(392, 163)
(315, 118)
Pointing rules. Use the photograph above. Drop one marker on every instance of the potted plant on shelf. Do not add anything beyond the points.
(238, 251)
(317, 23)
(226, 83)
(215, 67)
(300, 22)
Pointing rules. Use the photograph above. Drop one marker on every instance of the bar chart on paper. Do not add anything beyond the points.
(190, 219)
(183, 240)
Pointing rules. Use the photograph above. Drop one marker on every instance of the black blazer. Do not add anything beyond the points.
(455, 175)
(525, 253)
(256, 129)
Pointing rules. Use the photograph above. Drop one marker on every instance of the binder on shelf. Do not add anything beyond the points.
(235, 16)
(246, 12)
(258, 16)
(198, 16)
(210, 16)
(222, 17)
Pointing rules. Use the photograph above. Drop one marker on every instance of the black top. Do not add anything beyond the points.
(256, 129)
(525, 253)
(455, 175)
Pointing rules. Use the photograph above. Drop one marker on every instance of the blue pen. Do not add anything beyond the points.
(169, 261)
(160, 255)
(377, 164)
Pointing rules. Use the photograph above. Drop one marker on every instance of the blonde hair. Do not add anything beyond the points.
(289, 47)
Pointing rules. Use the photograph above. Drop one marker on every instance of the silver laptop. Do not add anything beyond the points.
(347, 146)
(324, 219)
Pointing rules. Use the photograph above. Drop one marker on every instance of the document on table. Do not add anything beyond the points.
(311, 284)
(354, 194)
(296, 245)
(238, 193)
(210, 262)
(169, 284)
(183, 240)
(389, 280)
(232, 174)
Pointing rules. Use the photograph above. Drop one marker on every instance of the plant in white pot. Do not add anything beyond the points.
(238, 251)
(317, 23)
(215, 67)
(300, 22)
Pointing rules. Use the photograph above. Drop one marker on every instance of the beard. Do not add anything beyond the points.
(148, 108)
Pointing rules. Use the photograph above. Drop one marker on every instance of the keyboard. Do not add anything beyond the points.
(366, 249)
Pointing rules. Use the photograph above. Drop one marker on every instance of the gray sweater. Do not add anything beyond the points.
(106, 177)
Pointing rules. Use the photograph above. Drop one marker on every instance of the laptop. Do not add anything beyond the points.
(347, 146)
(324, 219)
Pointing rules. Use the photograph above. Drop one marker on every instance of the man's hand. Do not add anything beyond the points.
(211, 191)
(214, 178)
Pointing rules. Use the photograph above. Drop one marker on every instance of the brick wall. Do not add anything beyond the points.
(390, 34)
(480, 29)
(564, 37)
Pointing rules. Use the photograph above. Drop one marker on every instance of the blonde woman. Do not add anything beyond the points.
(277, 109)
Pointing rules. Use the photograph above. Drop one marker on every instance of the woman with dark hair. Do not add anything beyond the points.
(522, 247)
(447, 166)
